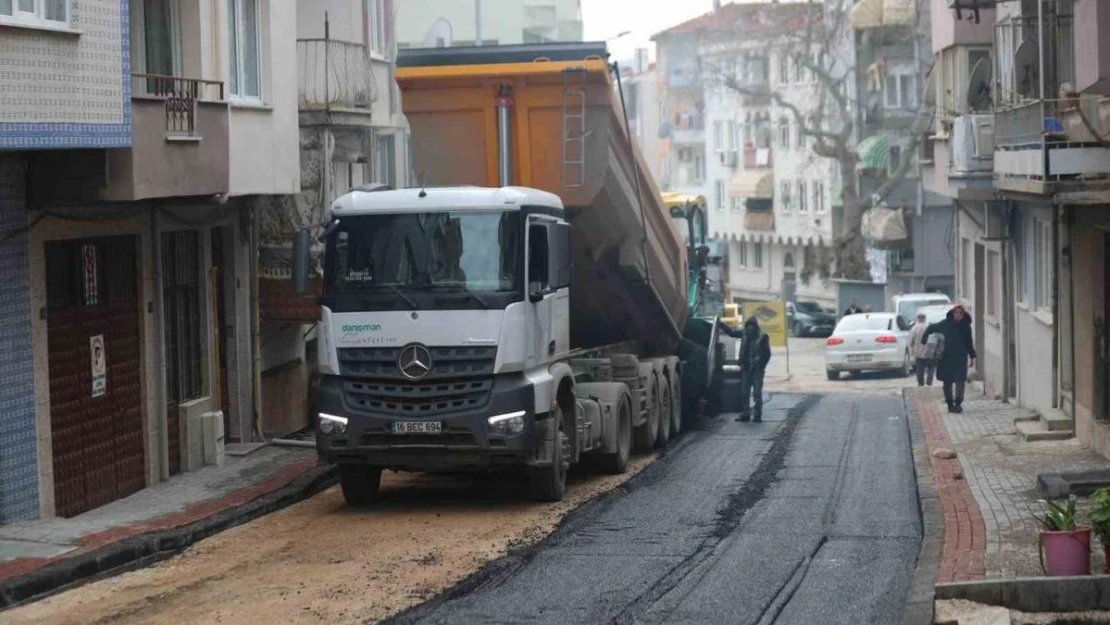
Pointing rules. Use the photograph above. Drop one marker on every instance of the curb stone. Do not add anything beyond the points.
(158, 544)
(1035, 594)
(919, 606)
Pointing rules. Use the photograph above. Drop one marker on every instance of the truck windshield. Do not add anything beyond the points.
(412, 252)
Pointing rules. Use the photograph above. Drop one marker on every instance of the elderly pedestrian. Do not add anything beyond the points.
(958, 356)
(924, 364)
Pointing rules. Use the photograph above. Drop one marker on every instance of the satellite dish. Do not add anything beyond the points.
(1027, 70)
(439, 35)
(979, 86)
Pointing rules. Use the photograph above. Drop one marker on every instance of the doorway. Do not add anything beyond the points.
(182, 315)
(93, 356)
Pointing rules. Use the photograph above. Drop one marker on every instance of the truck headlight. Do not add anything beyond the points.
(506, 424)
(331, 424)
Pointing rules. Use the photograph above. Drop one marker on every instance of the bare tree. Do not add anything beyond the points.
(815, 39)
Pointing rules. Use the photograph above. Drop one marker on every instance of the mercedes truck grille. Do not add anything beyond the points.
(458, 379)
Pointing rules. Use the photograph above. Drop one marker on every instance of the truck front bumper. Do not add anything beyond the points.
(465, 441)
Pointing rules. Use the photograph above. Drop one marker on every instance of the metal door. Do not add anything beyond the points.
(94, 368)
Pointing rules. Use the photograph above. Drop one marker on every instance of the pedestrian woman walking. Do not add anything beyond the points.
(959, 351)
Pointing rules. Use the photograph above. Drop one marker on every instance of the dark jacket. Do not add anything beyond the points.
(852, 311)
(958, 347)
(755, 356)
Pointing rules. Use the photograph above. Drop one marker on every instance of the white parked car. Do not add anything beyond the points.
(868, 342)
(907, 304)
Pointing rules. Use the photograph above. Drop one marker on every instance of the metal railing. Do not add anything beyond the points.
(334, 74)
(1052, 121)
(1014, 83)
(180, 96)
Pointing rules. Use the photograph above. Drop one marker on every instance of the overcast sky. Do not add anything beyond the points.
(604, 19)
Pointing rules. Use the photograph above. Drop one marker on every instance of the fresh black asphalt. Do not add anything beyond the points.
(810, 517)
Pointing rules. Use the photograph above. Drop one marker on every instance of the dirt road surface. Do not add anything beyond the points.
(323, 562)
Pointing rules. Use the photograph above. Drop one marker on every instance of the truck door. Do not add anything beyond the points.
(540, 294)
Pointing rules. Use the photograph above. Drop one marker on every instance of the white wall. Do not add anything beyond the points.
(502, 20)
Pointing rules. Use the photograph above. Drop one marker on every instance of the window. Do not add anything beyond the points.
(742, 255)
(49, 13)
(737, 204)
(819, 197)
(731, 135)
(182, 313)
(784, 134)
(994, 294)
(784, 69)
(537, 257)
(386, 160)
(160, 41)
(719, 194)
(799, 137)
(757, 255)
(245, 72)
(899, 88)
(784, 196)
(378, 27)
(802, 196)
(699, 168)
(718, 136)
(798, 70)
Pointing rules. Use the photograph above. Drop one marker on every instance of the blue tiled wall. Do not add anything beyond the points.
(19, 495)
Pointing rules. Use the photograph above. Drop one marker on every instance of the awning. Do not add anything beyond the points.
(874, 152)
(674, 198)
(876, 13)
(754, 184)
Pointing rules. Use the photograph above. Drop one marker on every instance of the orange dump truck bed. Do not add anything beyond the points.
(567, 136)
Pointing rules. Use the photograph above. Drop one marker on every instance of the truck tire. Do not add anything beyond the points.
(648, 432)
(549, 483)
(676, 404)
(662, 409)
(360, 483)
(617, 462)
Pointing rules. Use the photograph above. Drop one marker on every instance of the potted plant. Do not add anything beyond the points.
(1100, 520)
(1065, 546)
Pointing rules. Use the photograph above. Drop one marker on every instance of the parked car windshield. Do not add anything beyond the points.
(476, 251)
(933, 314)
(811, 308)
(856, 323)
(908, 309)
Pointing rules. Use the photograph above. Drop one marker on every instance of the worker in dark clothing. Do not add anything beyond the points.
(959, 349)
(853, 308)
(755, 353)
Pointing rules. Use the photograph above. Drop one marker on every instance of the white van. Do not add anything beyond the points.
(906, 304)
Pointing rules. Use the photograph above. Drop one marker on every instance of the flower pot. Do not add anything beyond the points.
(1066, 553)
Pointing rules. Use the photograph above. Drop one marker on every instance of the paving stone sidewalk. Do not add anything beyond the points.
(988, 492)
(182, 500)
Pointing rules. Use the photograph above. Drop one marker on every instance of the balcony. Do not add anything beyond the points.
(334, 75)
(1046, 146)
(759, 221)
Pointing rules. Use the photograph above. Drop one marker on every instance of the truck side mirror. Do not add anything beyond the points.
(301, 244)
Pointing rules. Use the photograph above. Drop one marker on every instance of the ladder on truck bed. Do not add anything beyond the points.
(574, 127)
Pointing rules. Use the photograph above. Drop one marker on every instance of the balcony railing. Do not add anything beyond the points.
(180, 95)
(1016, 74)
(334, 74)
(1053, 140)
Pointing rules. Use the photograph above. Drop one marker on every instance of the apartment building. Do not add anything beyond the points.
(682, 99)
(352, 133)
(640, 83)
(137, 144)
(446, 23)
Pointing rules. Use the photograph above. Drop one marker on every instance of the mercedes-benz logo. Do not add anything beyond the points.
(414, 361)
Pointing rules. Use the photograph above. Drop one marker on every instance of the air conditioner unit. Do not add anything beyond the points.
(728, 157)
(983, 135)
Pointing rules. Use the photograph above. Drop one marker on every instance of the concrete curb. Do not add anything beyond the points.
(919, 606)
(1035, 594)
(150, 547)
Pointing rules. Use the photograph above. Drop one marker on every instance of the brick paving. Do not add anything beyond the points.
(990, 530)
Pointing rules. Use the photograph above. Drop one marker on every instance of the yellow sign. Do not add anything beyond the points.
(772, 319)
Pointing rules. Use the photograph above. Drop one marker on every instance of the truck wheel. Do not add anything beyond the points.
(359, 483)
(663, 409)
(648, 431)
(676, 406)
(550, 483)
(617, 463)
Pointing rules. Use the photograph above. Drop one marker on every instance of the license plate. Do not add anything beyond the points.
(859, 358)
(417, 427)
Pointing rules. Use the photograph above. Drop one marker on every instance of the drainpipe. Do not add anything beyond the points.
(1055, 306)
(160, 415)
(1009, 315)
(504, 103)
(1070, 215)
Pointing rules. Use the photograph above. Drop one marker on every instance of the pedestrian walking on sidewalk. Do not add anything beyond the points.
(924, 363)
(755, 353)
(959, 351)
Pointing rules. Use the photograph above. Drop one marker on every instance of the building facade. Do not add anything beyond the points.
(134, 166)
(446, 23)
